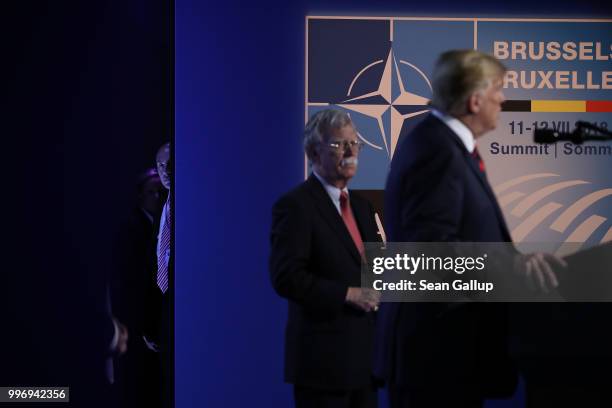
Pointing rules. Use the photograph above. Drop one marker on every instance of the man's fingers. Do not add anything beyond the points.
(375, 299)
(555, 260)
(366, 299)
(370, 295)
(529, 275)
(366, 306)
(370, 305)
(542, 281)
(548, 272)
(539, 273)
(546, 276)
(124, 331)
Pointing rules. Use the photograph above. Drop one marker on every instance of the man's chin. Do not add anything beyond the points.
(348, 172)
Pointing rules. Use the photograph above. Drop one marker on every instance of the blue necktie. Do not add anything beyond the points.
(163, 251)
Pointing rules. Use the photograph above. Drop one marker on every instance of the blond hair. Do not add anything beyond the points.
(458, 74)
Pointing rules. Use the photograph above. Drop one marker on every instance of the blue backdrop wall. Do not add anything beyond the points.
(239, 84)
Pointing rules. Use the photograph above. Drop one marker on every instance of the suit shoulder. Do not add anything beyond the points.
(434, 133)
(430, 140)
(296, 196)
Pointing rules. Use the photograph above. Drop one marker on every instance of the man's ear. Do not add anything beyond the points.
(314, 155)
(474, 102)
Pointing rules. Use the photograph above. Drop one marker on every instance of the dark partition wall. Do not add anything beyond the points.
(89, 101)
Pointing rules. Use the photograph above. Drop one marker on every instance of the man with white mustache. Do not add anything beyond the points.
(318, 231)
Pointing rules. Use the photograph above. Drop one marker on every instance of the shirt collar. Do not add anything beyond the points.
(463, 132)
(333, 191)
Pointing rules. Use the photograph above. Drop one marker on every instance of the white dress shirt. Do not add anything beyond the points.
(333, 191)
(462, 131)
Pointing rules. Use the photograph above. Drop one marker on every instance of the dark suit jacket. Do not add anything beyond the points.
(313, 261)
(159, 323)
(134, 272)
(137, 372)
(157, 305)
(435, 192)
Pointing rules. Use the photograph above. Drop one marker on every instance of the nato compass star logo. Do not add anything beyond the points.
(390, 104)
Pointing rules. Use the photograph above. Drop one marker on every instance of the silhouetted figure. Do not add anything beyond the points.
(137, 373)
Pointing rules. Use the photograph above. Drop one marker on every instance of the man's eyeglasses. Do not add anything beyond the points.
(342, 145)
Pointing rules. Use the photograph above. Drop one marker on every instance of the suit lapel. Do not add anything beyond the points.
(329, 213)
(487, 187)
(361, 213)
(482, 179)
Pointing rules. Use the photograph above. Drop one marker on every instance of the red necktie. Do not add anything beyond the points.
(478, 159)
(349, 221)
